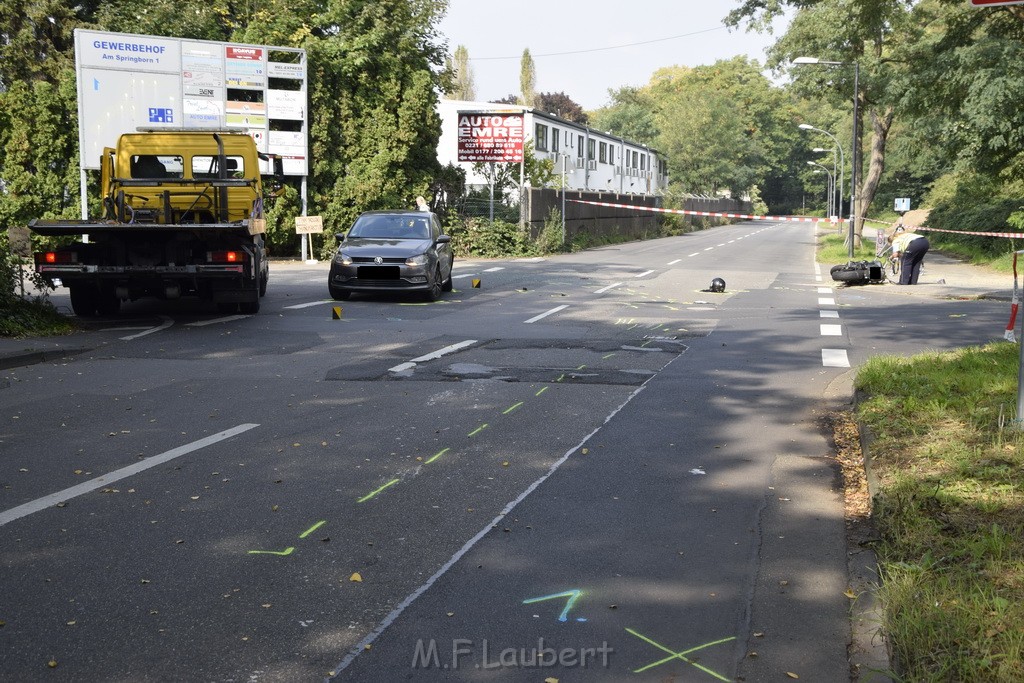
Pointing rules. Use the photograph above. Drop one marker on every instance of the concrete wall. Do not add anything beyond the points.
(601, 221)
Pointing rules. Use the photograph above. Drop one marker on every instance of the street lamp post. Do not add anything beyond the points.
(842, 164)
(856, 132)
(828, 186)
(833, 203)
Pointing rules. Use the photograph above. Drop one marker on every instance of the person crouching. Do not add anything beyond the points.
(909, 248)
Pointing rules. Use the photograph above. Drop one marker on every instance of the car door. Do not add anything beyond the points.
(442, 249)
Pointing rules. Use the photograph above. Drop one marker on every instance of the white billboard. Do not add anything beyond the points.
(127, 81)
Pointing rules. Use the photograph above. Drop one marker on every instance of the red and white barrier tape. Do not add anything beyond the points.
(712, 214)
(915, 228)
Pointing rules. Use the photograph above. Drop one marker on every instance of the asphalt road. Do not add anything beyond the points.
(588, 468)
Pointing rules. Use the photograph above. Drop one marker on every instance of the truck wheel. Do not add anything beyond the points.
(249, 307)
(107, 302)
(227, 308)
(263, 284)
(83, 301)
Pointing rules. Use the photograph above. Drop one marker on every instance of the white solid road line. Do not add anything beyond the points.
(672, 263)
(452, 348)
(310, 304)
(605, 289)
(545, 314)
(494, 270)
(85, 487)
(162, 326)
(457, 277)
(644, 274)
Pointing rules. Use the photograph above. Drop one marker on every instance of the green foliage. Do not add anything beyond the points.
(281, 236)
(550, 240)
(373, 117)
(527, 79)
(20, 313)
(478, 237)
(949, 505)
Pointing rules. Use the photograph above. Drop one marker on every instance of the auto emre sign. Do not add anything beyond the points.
(489, 136)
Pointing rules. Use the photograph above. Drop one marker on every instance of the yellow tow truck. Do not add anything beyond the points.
(182, 216)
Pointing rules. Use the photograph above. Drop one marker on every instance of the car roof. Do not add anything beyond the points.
(397, 212)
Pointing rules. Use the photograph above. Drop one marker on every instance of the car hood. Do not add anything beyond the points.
(387, 248)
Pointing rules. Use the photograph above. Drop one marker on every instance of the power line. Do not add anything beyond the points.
(604, 49)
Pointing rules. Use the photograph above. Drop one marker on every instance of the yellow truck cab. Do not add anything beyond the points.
(182, 216)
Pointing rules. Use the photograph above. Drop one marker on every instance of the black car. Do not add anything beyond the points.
(393, 251)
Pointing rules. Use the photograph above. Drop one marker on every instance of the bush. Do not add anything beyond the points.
(478, 237)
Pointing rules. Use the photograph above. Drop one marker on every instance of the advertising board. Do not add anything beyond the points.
(127, 82)
(490, 136)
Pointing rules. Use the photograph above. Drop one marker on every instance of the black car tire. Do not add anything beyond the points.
(436, 286)
(339, 294)
(448, 284)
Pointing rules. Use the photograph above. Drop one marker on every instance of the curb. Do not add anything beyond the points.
(20, 359)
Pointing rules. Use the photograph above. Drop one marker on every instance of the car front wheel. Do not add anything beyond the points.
(436, 285)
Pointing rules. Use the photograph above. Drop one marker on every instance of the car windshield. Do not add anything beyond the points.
(391, 227)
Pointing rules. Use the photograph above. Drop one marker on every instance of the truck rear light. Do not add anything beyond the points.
(56, 257)
(225, 257)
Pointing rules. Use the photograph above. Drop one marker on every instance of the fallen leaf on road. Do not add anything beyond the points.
(849, 593)
(791, 674)
(356, 577)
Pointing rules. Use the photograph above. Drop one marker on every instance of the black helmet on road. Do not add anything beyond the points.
(717, 285)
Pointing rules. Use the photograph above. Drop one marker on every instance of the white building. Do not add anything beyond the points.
(591, 160)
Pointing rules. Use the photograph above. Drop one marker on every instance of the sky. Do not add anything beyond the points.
(611, 43)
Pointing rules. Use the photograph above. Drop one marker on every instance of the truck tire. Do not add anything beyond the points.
(107, 302)
(249, 307)
(83, 300)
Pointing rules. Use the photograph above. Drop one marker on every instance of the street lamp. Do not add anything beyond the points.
(828, 186)
(853, 143)
(832, 198)
(842, 164)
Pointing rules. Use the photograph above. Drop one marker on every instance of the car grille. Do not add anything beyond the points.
(378, 272)
(370, 259)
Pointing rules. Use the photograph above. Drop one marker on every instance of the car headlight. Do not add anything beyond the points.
(418, 260)
(343, 259)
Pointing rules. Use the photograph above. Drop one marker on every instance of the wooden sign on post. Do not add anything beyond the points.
(307, 225)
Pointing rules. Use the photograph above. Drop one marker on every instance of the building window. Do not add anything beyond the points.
(635, 159)
(579, 146)
(604, 153)
(611, 153)
(540, 137)
(590, 150)
(643, 161)
(555, 139)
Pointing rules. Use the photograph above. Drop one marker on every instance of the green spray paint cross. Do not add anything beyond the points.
(679, 655)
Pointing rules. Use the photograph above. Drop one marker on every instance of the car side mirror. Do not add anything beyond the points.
(339, 237)
(443, 239)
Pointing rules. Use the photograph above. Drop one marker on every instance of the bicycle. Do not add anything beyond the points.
(890, 264)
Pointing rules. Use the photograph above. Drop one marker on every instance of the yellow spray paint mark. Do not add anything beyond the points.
(542, 390)
(374, 493)
(607, 356)
(437, 455)
(478, 429)
(313, 528)
(282, 553)
(509, 410)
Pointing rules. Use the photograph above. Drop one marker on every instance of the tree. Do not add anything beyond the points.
(874, 34)
(463, 87)
(560, 104)
(630, 114)
(527, 79)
